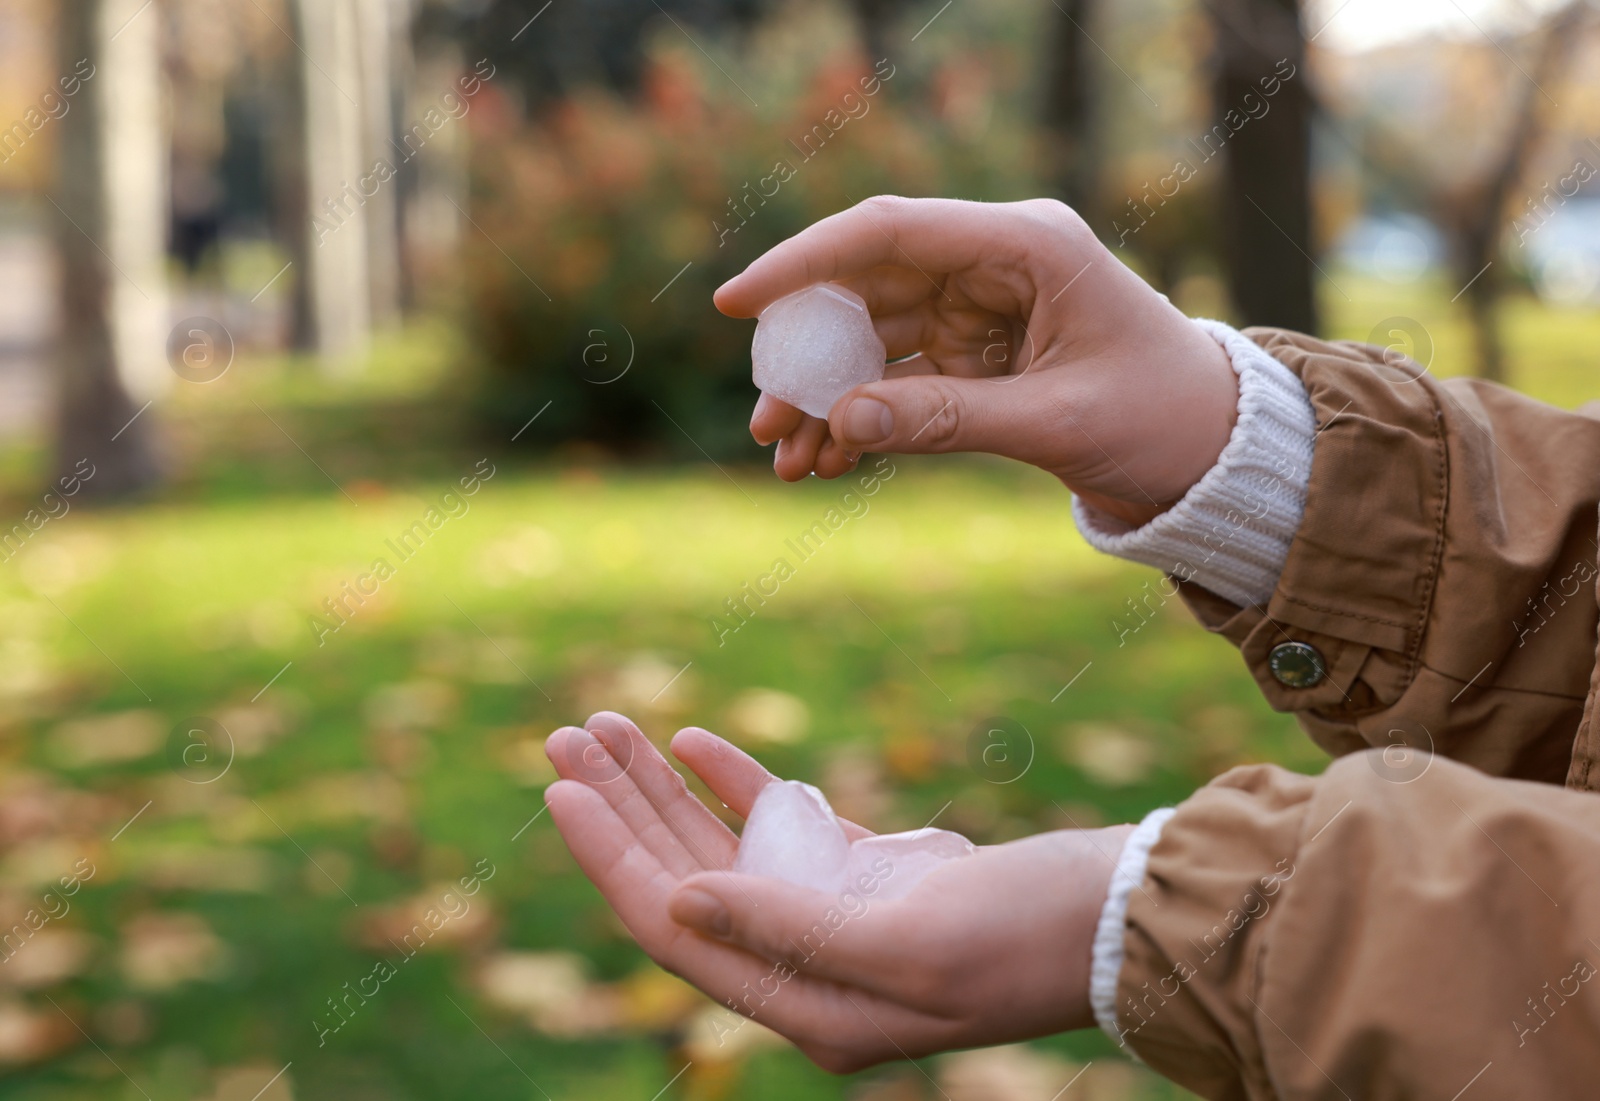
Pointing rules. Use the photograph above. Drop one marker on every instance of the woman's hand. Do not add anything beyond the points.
(988, 949)
(1036, 343)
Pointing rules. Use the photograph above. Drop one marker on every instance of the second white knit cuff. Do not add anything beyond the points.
(1231, 532)
(1105, 963)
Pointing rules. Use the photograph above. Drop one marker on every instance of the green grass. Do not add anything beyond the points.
(975, 600)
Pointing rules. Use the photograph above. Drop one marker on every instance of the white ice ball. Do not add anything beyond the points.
(792, 834)
(899, 861)
(814, 346)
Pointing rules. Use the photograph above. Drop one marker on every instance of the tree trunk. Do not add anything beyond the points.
(1267, 216)
(434, 179)
(379, 25)
(338, 275)
(110, 234)
(291, 195)
(1472, 213)
(1483, 305)
(1068, 111)
(875, 17)
(1476, 215)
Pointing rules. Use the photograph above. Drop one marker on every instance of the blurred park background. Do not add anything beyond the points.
(292, 287)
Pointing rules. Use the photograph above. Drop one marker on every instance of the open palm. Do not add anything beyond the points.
(977, 953)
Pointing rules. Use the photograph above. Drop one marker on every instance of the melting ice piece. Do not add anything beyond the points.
(791, 834)
(815, 345)
(899, 861)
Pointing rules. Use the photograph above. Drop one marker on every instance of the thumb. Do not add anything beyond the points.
(927, 414)
(819, 932)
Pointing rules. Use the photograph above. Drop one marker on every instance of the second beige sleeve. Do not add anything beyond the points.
(1352, 937)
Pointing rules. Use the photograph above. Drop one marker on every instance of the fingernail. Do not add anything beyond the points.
(868, 421)
(591, 751)
(703, 911)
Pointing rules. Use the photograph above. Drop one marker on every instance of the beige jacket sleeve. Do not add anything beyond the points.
(1351, 938)
(1444, 568)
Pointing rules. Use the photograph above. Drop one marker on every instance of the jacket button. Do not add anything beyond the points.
(1297, 664)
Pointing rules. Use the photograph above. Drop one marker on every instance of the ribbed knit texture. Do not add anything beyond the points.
(1106, 961)
(1231, 532)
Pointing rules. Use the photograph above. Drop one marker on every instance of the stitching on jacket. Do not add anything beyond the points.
(1441, 453)
(1581, 762)
(1580, 781)
(1503, 688)
(1395, 623)
(1258, 991)
(1258, 977)
(1431, 575)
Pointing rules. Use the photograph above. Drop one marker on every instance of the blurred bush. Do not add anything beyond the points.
(587, 212)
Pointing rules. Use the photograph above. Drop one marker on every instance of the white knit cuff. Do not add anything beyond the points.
(1105, 963)
(1231, 532)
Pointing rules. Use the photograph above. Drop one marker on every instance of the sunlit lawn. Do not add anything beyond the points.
(370, 773)
(406, 747)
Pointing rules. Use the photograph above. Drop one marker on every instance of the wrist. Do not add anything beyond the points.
(1231, 531)
(1202, 411)
(1187, 434)
(1097, 853)
(1106, 956)
(1135, 514)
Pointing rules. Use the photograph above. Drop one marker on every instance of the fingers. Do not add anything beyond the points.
(637, 886)
(804, 446)
(701, 832)
(608, 851)
(812, 451)
(939, 236)
(892, 289)
(842, 938)
(923, 414)
(796, 455)
(834, 461)
(773, 420)
(578, 755)
(905, 333)
(733, 775)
